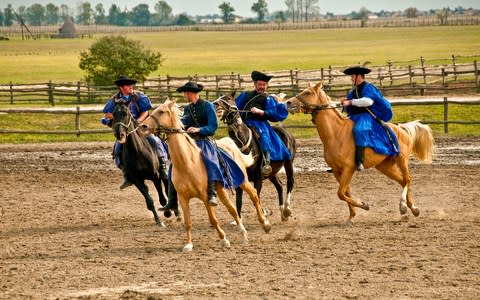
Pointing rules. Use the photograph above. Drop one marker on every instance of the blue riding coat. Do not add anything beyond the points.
(367, 131)
(137, 104)
(274, 112)
(220, 165)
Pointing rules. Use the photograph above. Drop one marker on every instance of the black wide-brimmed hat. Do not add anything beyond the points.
(190, 87)
(256, 75)
(356, 70)
(124, 80)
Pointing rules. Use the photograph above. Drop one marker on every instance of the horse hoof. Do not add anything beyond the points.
(267, 226)
(365, 206)
(403, 208)
(167, 214)
(349, 222)
(415, 211)
(286, 214)
(161, 224)
(245, 238)
(188, 247)
(225, 243)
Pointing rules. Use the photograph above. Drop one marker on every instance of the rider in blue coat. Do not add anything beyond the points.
(368, 109)
(139, 105)
(200, 121)
(258, 109)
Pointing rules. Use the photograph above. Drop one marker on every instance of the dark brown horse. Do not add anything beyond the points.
(246, 141)
(139, 159)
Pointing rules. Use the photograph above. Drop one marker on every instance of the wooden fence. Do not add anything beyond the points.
(394, 79)
(78, 111)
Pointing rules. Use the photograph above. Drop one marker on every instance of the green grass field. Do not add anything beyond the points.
(189, 53)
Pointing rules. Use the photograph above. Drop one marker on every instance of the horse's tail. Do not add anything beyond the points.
(422, 137)
(231, 148)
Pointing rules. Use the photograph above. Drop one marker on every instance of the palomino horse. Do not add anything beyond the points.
(335, 131)
(139, 159)
(189, 175)
(243, 136)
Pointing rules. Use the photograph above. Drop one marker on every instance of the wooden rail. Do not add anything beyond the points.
(78, 111)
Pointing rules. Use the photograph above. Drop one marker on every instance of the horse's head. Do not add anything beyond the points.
(308, 100)
(163, 119)
(226, 109)
(122, 121)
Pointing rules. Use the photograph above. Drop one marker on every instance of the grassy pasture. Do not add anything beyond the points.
(224, 52)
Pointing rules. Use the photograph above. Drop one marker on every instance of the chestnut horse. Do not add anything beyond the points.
(336, 134)
(243, 136)
(189, 175)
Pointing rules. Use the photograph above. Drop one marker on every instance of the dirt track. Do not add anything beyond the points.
(67, 232)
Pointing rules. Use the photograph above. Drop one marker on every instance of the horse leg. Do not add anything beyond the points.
(257, 184)
(283, 209)
(162, 198)
(214, 221)
(238, 200)
(184, 203)
(402, 176)
(222, 194)
(288, 166)
(142, 187)
(344, 177)
(252, 193)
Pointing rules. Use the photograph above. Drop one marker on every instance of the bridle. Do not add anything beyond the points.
(313, 108)
(164, 129)
(130, 122)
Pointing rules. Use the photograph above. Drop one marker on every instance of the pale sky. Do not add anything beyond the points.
(243, 7)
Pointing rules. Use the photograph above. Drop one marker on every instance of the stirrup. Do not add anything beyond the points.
(360, 167)
(212, 201)
(266, 170)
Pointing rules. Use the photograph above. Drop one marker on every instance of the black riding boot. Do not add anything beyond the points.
(212, 194)
(359, 154)
(172, 203)
(266, 169)
(163, 169)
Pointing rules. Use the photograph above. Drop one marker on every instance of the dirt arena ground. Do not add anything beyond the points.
(68, 232)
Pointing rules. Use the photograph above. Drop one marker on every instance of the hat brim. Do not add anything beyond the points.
(183, 89)
(125, 82)
(358, 70)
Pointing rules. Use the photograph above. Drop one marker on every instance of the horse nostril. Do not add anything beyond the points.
(144, 126)
(288, 102)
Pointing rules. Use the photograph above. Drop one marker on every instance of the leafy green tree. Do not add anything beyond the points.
(85, 13)
(36, 14)
(1, 18)
(227, 12)
(164, 11)
(260, 8)
(8, 15)
(51, 14)
(140, 15)
(184, 19)
(116, 16)
(112, 56)
(100, 17)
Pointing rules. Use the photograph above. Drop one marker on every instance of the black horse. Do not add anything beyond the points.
(139, 158)
(247, 142)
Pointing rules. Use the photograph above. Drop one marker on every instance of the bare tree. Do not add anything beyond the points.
(411, 12)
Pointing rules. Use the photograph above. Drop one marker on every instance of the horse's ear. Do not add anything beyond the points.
(319, 85)
(309, 84)
(232, 94)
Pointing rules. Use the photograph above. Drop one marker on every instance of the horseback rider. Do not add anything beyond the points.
(200, 121)
(139, 105)
(369, 110)
(258, 107)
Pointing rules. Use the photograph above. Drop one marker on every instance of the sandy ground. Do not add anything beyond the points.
(67, 232)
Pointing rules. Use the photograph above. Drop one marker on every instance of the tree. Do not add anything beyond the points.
(112, 56)
(164, 11)
(116, 16)
(64, 11)
(184, 19)
(140, 15)
(99, 15)
(8, 15)
(442, 16)
(85, 13)
(36, 14)
(1, 17)
(51, 14)
(260, 8)
(411, 12)
(310, 8)
(227, 12)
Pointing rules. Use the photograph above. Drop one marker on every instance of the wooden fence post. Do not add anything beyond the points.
(239, 82)
(50, 93)
(216, 85)
(390, 72)
(329, 74)
(11, 92)
(77, 121)
(445, 115)
(78, 92)
(477, 82)
(410, 75)
(168, 86)
(321, 74)
(454, 68)
(422, 62)
(444, 82)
